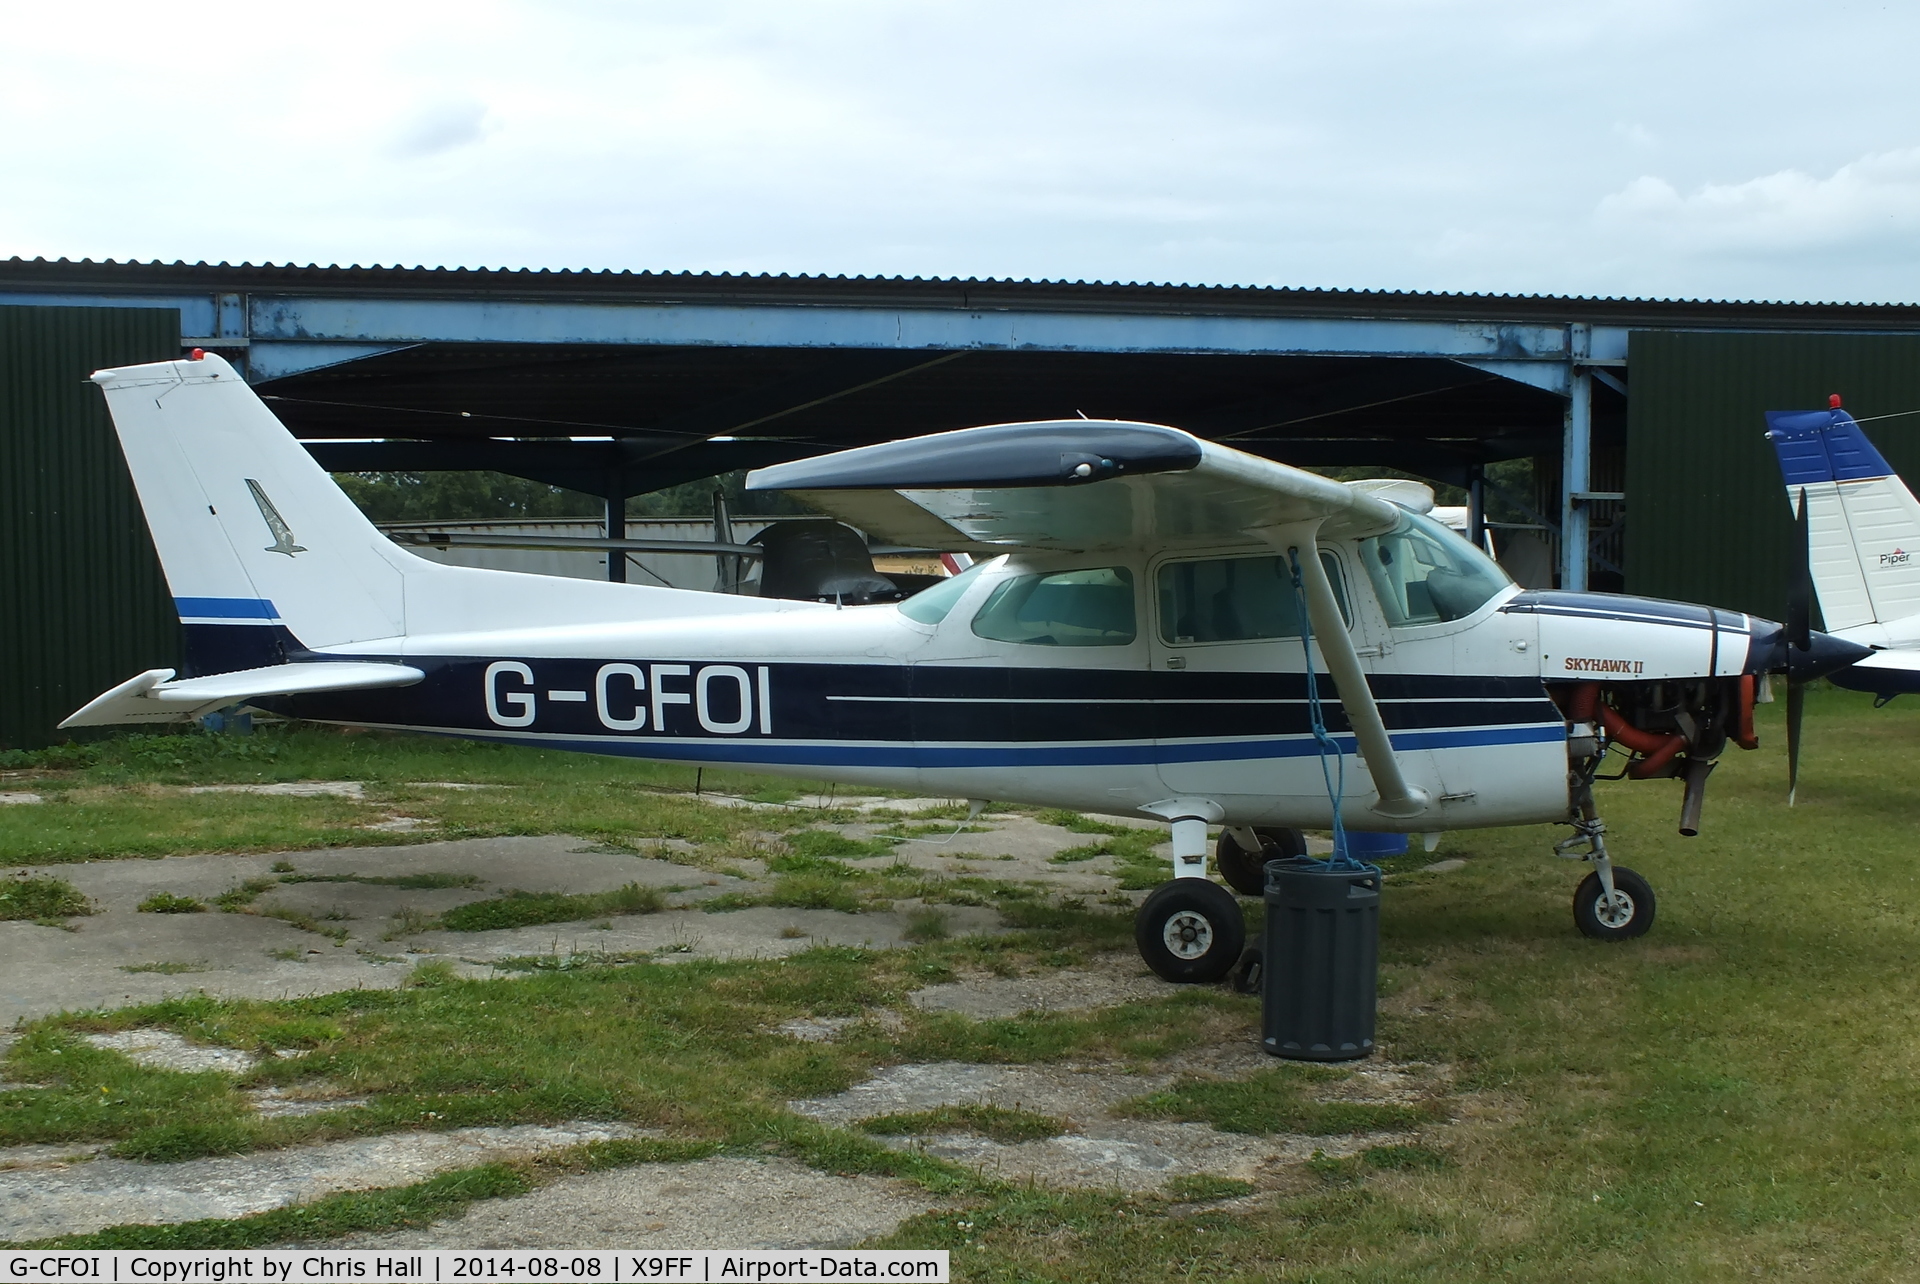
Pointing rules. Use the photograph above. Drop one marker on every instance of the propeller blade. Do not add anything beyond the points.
(1800, 589)
(1796, 702)
(1799, 631)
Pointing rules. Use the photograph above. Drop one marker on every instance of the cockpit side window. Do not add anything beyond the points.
(1235, 599)
(1066, 608)
(1425, 574)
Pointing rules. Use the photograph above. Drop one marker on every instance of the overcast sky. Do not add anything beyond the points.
(1702, 148)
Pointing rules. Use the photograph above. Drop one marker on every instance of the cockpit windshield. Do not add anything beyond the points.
(1423, 573)
(930, 605)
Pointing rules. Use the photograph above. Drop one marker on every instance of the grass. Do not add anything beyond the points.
(239, 898)
(527, 909)
(819, 844)
(1270, 1101)
(1730, 1097)
(174, 967)
(1009, 1127)
(121, 796)
(1134, 863)
(170, 903)
(1194, 1188)
(41, 900)
(926, 925)
(356, 1212)
(430, 881)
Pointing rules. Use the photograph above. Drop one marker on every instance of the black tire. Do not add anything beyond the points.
(1190, 931)
(1627, 920)
(1245, 871)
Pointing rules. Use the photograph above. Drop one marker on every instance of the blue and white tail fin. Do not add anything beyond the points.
(267, 557)
(250, 530)
(1863, 521)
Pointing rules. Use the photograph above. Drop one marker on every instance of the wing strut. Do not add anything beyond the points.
(1398, 798)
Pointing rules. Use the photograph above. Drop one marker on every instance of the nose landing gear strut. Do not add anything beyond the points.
(1612, 903)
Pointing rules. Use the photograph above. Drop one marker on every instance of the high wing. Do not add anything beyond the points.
(1074, 484)
(1084, 484)
(154, 697)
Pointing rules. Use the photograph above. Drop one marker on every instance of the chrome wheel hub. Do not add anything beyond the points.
(1188, 934)
(1615, 910)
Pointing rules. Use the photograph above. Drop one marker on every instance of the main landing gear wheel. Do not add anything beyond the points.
(1627, 914)
(1245, 871)
(1190, 931)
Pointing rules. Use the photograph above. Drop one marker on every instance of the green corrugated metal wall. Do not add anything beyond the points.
(1707, 515)
(82, 601)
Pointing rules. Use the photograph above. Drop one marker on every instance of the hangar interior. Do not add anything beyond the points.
(618, 384)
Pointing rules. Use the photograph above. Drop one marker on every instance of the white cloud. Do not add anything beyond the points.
(1418, 144)
(437, 127)
(1873, 198)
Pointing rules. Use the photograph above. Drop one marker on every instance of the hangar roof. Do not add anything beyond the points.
(630, 381)
(805, 289)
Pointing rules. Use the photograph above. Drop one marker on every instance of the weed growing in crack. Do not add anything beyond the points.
(43, 900)
(996, 1123)
(529, 909)
(169, 903)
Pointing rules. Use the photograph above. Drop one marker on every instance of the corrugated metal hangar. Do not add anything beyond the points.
(617, 384)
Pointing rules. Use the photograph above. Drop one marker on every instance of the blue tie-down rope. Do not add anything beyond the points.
(1335, 775)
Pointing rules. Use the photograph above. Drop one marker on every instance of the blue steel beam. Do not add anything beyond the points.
(288, 334)
(746, 325)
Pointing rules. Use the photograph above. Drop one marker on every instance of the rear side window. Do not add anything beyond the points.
(1235, 599)
(1067, 608)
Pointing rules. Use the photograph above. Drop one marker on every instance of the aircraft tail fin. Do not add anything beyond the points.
(1864, 523)
(251, 531)
(268, 558)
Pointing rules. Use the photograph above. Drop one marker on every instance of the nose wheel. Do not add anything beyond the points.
(1617, 915)
(1190, 931)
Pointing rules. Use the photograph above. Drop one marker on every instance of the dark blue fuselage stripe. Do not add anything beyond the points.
(933, 755)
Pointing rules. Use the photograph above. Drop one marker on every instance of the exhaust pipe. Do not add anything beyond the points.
(1695, 772)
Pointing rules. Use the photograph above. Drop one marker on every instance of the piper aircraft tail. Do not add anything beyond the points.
(1863, 521)
(272, 566)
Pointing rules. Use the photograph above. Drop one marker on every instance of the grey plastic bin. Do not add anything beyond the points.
(1321, 962)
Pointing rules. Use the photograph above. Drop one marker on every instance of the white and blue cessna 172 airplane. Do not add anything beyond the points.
(1128, 643)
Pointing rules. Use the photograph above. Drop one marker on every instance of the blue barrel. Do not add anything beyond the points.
(1321, 960)
(1362, 845)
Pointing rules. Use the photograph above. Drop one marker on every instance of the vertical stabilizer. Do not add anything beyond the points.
(1864, 523)
(267, 557)
(250, 530)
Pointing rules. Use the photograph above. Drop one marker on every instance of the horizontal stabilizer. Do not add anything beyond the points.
(1901, 660)
(154, 697)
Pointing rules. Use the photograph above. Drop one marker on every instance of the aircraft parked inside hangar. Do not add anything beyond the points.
(1129, 642)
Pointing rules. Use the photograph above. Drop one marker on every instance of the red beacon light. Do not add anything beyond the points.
(198, 354)
(1833, 401)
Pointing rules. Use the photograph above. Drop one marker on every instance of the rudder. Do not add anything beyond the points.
(1864, 523)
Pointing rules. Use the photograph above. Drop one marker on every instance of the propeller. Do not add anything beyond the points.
(1799, 636)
